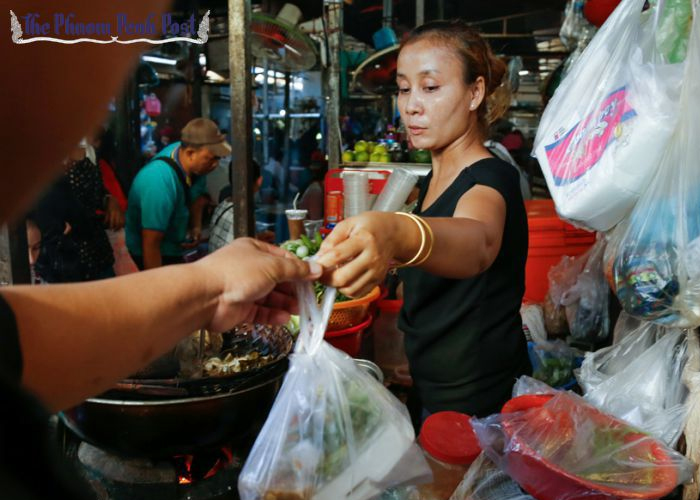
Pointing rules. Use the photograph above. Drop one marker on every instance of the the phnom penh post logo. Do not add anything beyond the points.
(62, 24)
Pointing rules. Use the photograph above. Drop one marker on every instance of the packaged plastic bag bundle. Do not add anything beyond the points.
(648, 392)
(602, 134)
(333, 432)
(656, 267)
(559, 447)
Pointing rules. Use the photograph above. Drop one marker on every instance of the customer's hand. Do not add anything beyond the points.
(252, 280)
(358, 252)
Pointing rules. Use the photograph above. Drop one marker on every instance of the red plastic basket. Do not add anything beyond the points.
(350, 339)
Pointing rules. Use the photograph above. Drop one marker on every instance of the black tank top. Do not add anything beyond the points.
(464, 337)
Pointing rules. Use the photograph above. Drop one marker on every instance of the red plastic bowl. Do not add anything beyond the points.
(348, 340)
(547, 481)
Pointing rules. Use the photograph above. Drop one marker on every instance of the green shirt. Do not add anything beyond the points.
(157, 202)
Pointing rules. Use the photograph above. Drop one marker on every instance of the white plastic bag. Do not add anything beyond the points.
(649, 392)
(656, 267)
(333, 432)
(602, 134)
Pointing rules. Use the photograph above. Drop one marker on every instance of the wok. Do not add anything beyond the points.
(160, 418)
(164, 427)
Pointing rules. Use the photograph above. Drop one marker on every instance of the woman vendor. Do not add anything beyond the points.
(462, 253)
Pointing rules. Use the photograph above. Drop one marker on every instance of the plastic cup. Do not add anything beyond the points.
(397, 188)
(356, 193)
(295, 221)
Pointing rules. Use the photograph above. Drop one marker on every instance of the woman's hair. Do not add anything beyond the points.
(477, 60)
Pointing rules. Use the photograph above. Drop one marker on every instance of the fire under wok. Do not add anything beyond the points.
(161, 417)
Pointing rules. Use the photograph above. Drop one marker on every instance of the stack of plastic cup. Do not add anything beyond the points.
(356, 193)
(397, 188)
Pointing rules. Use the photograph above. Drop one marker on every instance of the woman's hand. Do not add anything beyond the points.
(253, 282)
(359, 251)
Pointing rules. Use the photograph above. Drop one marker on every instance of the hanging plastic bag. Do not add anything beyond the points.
(559, 447)
(656, 268)
(333, 432)
(648, 393)
(561, 278)
(601, 136)
(485, 481)
(599, 366)
(586, 302)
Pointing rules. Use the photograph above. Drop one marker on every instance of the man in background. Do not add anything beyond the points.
(168, 196)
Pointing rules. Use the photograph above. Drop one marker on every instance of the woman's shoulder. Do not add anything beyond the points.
(495, 173)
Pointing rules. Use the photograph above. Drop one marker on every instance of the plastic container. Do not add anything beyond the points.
(389, 351)
(351, 312)
(350, 339)
(547, 481)
(450, 446)
(550, 238)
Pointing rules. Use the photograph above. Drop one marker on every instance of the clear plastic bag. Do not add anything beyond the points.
(562, 448)
(485, 481)
(334, 431)
(586, 302)
(656, 267)
(603, 132)
(647, 393)
(553, 362)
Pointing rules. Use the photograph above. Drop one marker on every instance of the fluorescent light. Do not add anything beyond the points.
(523, 72)
(160, 60)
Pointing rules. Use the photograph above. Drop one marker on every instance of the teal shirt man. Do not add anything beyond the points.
(158, 215)
(157, 202)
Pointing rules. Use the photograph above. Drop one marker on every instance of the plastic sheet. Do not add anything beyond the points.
(565, 449)
(656, 268)
(334, 431)
(603, 132)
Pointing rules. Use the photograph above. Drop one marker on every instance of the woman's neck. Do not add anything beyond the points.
(450, 160)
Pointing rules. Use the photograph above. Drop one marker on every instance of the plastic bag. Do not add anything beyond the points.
(656, 268)
(649, 392)
(601, 136)
(599, 366)
(334, 431)
(552, 362)
(562, 448)
(561, 278)
(586, 302)
(485, 481)
(533, 322)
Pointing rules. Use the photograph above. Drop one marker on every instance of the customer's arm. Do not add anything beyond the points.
(150, 242)
(196, 216)
(78, 339)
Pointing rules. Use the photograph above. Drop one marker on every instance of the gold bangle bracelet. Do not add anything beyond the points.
(416, 220)
(431, 241)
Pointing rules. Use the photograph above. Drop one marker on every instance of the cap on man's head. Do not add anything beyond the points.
(204, 132)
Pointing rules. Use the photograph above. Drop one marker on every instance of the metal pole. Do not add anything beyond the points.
(441, 9)
(287, 122)
(266, 114)
(420, 12)
(334, 15)
(14, 260)
(240, 62)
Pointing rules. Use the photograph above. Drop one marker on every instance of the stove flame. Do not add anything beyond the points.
(201, 466)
